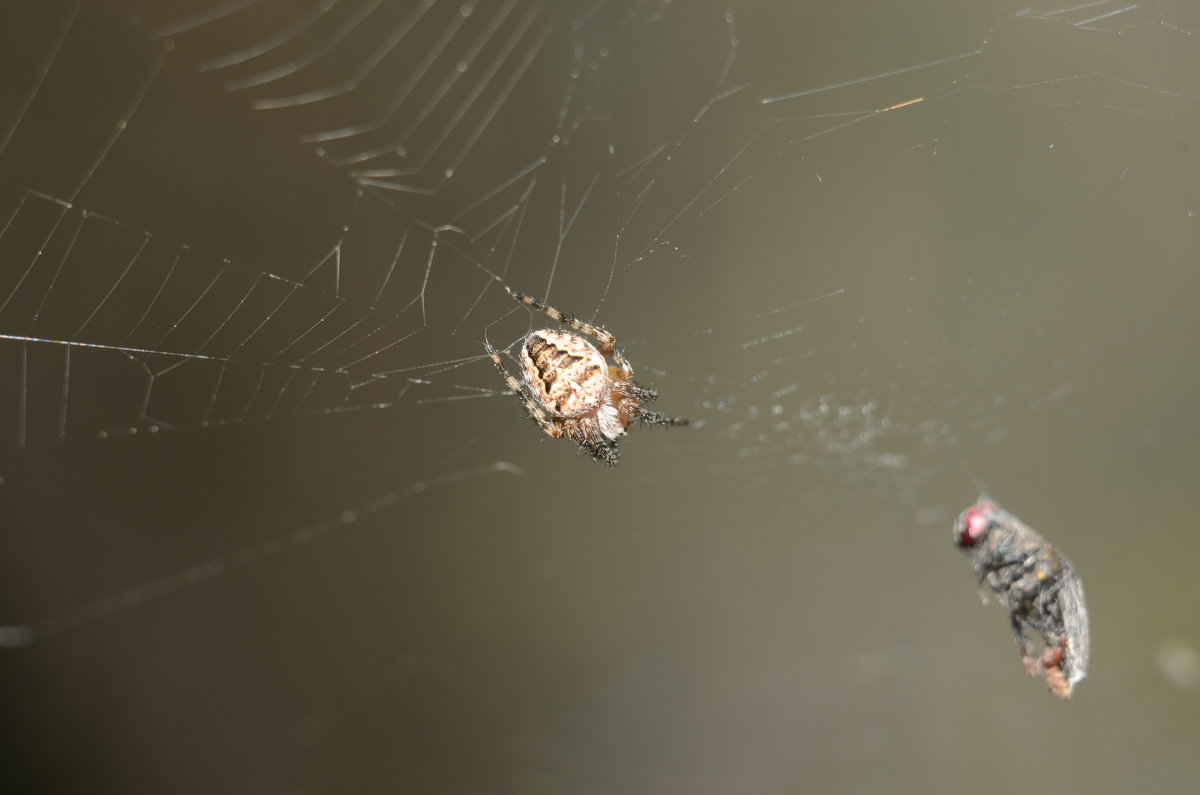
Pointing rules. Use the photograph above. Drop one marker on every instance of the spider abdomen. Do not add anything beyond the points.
(564, 372)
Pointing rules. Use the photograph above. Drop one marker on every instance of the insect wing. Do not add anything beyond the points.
(1075, 622)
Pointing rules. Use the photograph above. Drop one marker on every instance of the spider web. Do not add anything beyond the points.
(251, 252)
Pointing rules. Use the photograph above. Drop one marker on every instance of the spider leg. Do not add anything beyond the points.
(535, 412)
(603, 451)
(608, 343)
(621, 361)
(606, 454)
(637, 397)
(656, 418)
(643, 394)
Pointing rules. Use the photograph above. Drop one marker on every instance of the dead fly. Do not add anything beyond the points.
(1036, 585)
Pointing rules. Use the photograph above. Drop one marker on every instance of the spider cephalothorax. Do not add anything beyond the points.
(1035, 585)
(570, 390)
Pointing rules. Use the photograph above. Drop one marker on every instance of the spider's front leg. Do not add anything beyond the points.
(607, 342)
(535, 413)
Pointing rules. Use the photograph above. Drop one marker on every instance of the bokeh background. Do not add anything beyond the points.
(271, 523)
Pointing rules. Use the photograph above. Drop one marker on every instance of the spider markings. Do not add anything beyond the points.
(1036, 585)
(570, 391)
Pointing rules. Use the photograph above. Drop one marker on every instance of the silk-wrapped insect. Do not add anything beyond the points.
(1036, 586)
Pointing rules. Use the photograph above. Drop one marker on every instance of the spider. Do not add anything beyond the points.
(570, 391)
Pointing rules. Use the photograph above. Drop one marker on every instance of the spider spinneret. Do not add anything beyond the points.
(570, 390)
